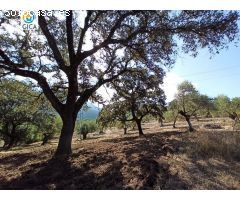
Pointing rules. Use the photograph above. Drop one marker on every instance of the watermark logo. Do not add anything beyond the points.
(29, 20)
(28, 17)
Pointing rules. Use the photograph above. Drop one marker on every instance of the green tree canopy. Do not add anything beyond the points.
(222, 104)
(23, 113)
(226, 107)
(138, 95)
(188, 101)
(114, 113)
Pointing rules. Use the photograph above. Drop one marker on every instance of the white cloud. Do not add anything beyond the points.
(170, 84)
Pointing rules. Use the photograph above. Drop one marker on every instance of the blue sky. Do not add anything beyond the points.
(212, 76)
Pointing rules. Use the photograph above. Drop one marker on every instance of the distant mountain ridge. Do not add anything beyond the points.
(91, 113)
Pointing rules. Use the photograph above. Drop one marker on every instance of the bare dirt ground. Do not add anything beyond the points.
(165, 158)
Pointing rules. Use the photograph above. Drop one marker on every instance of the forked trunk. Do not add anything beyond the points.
(65, 140)
(187, 117)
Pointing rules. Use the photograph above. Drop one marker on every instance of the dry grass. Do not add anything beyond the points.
(207, 160)
(224, 145)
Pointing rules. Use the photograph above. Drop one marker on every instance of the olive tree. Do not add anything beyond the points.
(188, 101)
(71, 56)
(209, 107)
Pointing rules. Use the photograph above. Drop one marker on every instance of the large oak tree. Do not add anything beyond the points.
(70, 57)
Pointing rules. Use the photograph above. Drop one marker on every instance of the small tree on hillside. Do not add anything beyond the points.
(226, 107)
(86, 126)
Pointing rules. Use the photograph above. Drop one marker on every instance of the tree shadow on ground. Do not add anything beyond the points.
(211, 174)
(63, 174)
(16, 160)
(134, 166)
(142, 154)
(129, 162)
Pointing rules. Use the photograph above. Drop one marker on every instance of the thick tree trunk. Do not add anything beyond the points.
(65, 140)
(189, 124)
(139, 125)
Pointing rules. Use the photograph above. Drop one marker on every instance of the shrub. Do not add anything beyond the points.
(86, 126)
